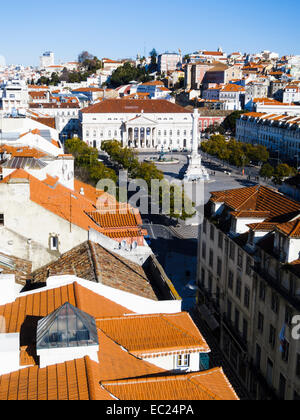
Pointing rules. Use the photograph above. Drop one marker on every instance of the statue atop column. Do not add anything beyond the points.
(196, 171)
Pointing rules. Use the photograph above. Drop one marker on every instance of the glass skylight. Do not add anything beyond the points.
(66, 327)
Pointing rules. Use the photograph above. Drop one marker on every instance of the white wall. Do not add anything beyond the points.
(49, 357)
(26, 233)
(9, 353)
(170, 362)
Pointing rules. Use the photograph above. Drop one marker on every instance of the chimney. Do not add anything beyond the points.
(82, 191)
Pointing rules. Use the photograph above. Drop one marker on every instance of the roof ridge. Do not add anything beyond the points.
(256, 187)
(185, 332)
(91, 380)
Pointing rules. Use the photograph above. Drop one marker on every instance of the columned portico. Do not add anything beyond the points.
(143, 129)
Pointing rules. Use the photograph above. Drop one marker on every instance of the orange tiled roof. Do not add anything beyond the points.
(233, 88)
(209, 385)
(74, 207)
(41, 304)
(261, 199)
(74, 380)
(116, 219)
(131, 106)
(22, 151)
(81, 379)
(290, 229)
(145, 334)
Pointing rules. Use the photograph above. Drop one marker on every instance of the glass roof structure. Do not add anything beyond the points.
(66, 327)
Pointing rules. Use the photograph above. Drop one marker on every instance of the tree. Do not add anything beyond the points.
(282, 172)
(153, 63)
(126, 73)
(87, 165)
(230, 121)
(267, 171)
(83, 56)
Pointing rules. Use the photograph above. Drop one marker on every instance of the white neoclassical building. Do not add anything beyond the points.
(142, 124)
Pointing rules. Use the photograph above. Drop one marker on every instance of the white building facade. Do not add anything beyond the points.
(142, 124)
(276, 132)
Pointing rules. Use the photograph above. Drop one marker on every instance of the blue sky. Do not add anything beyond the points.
(123, 28)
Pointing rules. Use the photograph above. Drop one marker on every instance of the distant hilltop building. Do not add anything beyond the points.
(47, 59)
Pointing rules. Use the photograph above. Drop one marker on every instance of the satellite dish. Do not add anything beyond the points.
(123, 244)
(134, 245)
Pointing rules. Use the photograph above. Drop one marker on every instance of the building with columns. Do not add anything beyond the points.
(142, 124)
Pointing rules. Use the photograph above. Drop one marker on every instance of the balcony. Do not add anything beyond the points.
(275, 284)
(234, 333)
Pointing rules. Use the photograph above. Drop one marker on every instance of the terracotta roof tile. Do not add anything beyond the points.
(132, 106)
(209, 385)
(94, 263)
(74, 380)
(259, 199)
(142, 334)
(290, 229)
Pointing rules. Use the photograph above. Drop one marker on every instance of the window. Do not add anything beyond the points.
(286, 351)
(238, 290)
(298, 366)
(232, 251)
(245, 330)
(202, 280)
(211, 258)
(282, 387)
(220, 240)
(212, 233)
(210, 283)
(262, 291)
(229, 309)
(270, 372)
(219, 267)
(204, 225)
(54, 243)
(204, 250)
(288, 315)
(1, 219)
(247, 297)
(183, 360)
(237, 320)
(248, 266)
(240, 258)
(230, 280)
(275, 303)
(272, 336)
(260, 324)
(258, 356)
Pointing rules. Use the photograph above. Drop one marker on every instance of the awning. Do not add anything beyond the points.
(208, 317)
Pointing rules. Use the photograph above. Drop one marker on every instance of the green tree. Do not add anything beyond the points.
(230, 121)
(267, 171)
(282, 172)
(153, 63)
(126, 73)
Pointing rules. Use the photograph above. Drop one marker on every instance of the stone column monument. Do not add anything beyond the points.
(196, 171)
